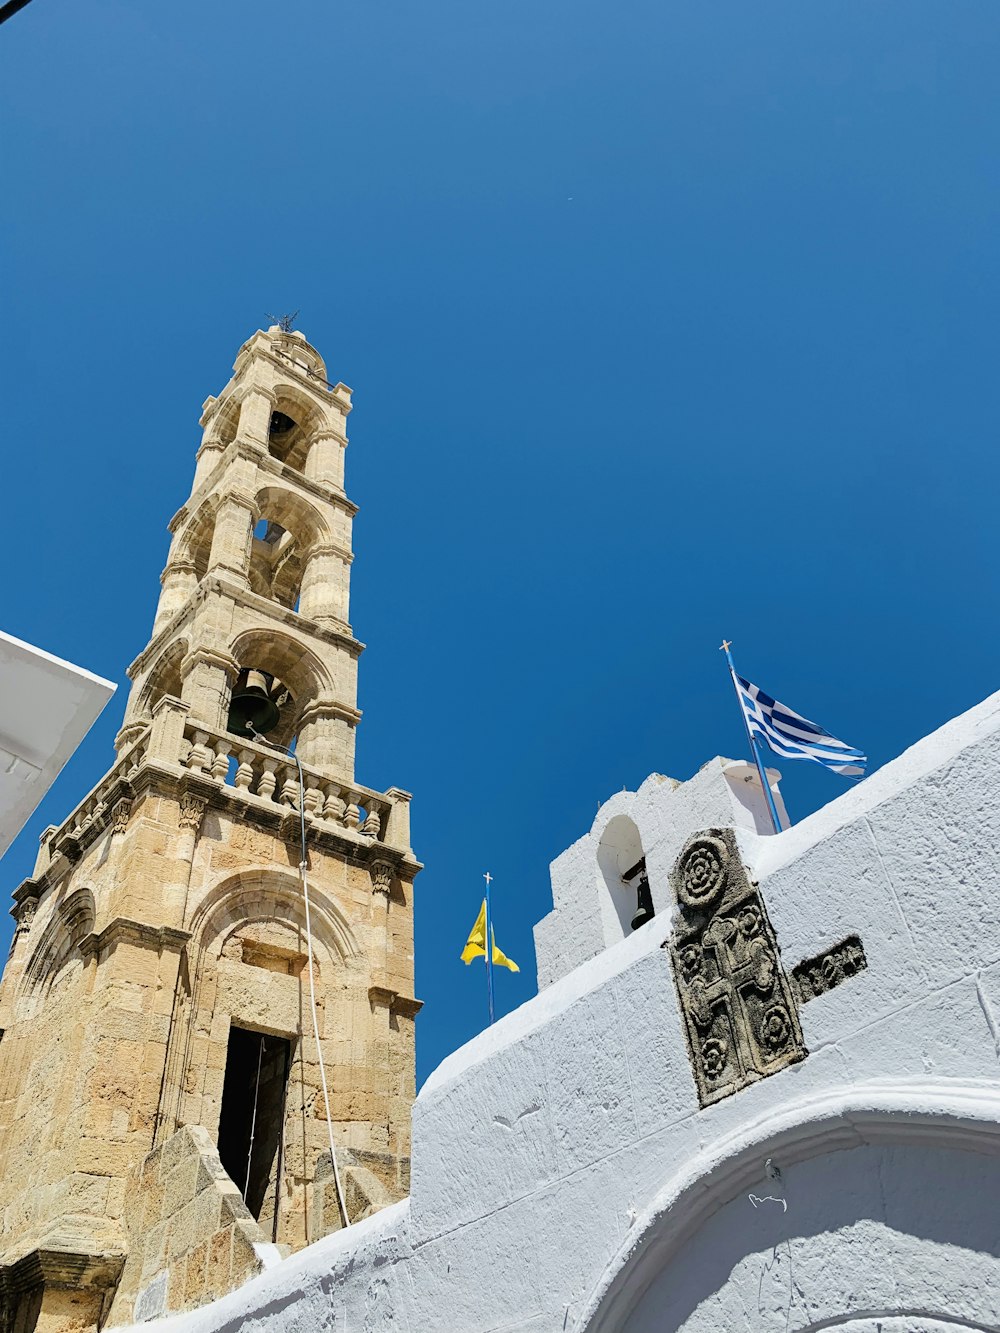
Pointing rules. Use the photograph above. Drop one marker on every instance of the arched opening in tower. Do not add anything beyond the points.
(257, 704)
(287, 439)
(253, 1113)
(622, 862)
(275, 563)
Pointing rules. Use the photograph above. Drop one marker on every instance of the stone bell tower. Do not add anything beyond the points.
(163, 1126)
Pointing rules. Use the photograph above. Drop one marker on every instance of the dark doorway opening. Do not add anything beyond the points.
(253, 1110)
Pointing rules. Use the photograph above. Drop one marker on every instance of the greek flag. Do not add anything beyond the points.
(795, 737)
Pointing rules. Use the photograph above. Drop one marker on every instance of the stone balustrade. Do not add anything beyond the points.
(98, 808)
(260, 773)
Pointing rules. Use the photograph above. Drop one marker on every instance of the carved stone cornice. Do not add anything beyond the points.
(330, 495)
(331, 548)
(328, 431)
(383, 998)
(216, 657)
(26, 897)
(123, 930)
(321, 708)
(159, 775)
(178, 566)
(52, 1266)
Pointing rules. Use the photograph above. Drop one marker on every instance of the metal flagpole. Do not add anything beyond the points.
(772, 808)
(489, 944)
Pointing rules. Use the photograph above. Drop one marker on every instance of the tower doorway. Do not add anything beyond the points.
(253, 1111)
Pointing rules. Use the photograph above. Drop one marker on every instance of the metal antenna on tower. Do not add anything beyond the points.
(284, 322)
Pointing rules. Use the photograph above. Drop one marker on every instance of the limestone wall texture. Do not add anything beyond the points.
(189, 1234)
(165, 920)
(570, 1170)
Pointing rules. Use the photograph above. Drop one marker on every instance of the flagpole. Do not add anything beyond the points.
(772, 808)
(489, 945)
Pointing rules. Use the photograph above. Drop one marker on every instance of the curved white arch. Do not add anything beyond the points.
(945, 1116)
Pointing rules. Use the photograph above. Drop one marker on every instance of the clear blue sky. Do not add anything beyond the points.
(665, 321)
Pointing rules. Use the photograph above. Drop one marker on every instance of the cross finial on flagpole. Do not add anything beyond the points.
(725, 646)
(488, 877)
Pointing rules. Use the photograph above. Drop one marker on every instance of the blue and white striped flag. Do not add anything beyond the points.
(795, 737)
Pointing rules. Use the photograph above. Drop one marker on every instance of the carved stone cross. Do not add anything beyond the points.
(738, 1007)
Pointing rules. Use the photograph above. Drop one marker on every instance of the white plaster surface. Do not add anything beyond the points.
(47, 706)
(565, 1177)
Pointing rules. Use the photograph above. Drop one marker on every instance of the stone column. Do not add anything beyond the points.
(326, 738)
(178, 581)
(192, 809)
(397, 831)
(325, 459)
(256, 407)
(324, 596)
(166, 735)
(207, 457)
(234, 520)
(207, 676)
(381, 873)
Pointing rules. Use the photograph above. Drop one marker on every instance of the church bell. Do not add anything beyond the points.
(644, 907)
(645, 910)
(252, 709)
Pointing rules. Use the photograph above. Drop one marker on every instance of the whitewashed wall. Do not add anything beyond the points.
(564, 1176)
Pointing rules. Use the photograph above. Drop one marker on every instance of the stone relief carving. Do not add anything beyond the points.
(120, 816)
(814, 976)
(26, 914)
(738, 1005)
(192, 810)
(381, 873)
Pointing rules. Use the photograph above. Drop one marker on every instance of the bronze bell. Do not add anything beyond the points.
(644, 909)
(644, 898)
(252, 709)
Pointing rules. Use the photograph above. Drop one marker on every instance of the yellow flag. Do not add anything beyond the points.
(476, 944)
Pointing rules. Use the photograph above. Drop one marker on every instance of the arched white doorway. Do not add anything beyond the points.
(882, 1219)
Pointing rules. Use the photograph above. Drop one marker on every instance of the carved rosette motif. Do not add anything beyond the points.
(702, 872)
(738, 1006)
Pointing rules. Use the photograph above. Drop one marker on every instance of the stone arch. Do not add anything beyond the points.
(290, 444)
(277, 895)
(881, 1209)
(288, 529)
(165, 677)
(297, 667)
(622, 863)
(225, 421)
(194, 541)
(70, 923)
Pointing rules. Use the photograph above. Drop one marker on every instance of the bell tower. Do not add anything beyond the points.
(193, 1010)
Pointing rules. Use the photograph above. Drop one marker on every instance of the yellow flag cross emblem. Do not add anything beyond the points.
(475, 946)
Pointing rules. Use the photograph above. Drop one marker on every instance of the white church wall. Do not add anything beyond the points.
(548, 1152)
(592, 909)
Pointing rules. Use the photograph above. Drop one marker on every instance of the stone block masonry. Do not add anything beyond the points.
(190, 1236)
(156, 1000)
(570, 1174)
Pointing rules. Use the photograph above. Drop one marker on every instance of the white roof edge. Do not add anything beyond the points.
(107, 685)
(47, 706)
(932, 751)
(766, 854)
